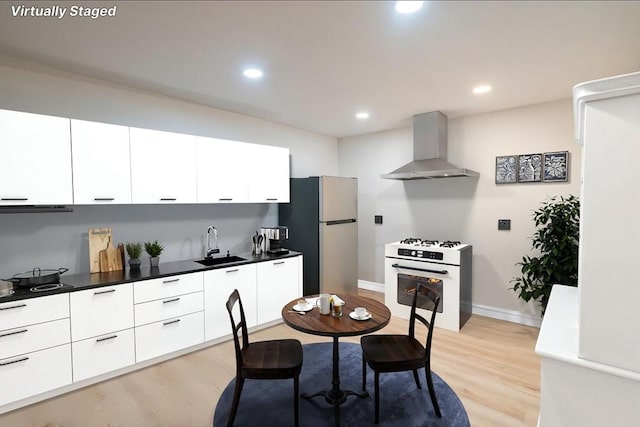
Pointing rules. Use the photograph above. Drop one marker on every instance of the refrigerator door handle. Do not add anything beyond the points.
(341, 221)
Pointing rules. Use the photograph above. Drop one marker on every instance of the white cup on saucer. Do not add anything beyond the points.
(360, 312)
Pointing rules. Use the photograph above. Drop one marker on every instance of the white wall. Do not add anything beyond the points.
(52, 240)
(462, 208)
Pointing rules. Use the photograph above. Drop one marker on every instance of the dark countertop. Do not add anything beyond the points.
(82, 281)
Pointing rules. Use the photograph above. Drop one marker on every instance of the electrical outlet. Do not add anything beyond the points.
(504, 224)
(377, 219)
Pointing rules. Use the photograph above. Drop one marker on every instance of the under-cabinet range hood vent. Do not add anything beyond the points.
(14, 209)
(429, 151)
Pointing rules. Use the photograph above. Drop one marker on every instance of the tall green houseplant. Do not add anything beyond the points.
(556, 237)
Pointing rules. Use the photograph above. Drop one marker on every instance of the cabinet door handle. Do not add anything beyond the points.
(103, 199)
(170, 281)
(106, 338)
(226, 199)
(13, 306)
(170, 322)
(272, 199)
(13, 361)
(168, 199)
(14, 333)
(104, 292)
(279, 262)
(15, 199)
(232, 271)
(171, 300)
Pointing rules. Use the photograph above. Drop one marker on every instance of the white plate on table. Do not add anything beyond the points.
(303, 307)
(354, 316)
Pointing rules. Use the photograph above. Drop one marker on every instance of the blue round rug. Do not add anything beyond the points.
(402, 404)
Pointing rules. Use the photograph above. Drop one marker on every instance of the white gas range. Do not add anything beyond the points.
(442, 266)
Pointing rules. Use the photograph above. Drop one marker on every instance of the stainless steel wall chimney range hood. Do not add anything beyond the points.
(429, 151)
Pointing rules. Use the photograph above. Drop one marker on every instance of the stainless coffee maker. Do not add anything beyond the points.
(274, 238)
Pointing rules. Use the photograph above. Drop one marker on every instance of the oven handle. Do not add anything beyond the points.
(420, 269)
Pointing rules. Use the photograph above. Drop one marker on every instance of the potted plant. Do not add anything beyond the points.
(154, 250)
(556, 237)
(134, 250)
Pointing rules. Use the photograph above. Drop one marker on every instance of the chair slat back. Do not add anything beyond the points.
(236, 327)
(423, 291)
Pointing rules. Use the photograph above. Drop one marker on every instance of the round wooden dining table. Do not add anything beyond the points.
(312, 322)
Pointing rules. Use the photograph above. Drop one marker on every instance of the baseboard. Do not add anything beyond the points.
(371, 286)
(505, 314)
(479, 309)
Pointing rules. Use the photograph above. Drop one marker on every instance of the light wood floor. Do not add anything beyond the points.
(490, 364)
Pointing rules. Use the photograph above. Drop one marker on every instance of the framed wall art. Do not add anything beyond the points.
(556, 167)
(506, 169)
(530, 167)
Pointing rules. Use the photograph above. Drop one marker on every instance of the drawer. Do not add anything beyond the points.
(95, 356)
(33, 310)
(34, 373)
(32, 338)
(157, 339)
(99, 311)
(166, 287)
(154, 311)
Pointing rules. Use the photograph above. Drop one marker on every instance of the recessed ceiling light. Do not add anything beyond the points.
(362, 115)
(478, 90)
(252, 73)
(408, 6)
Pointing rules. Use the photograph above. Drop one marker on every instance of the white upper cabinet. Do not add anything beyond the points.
(163, 167)
(35, 159)
(268, 174)
(101, 163)
(223, 170)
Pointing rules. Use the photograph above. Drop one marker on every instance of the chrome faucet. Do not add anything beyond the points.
(210, 250)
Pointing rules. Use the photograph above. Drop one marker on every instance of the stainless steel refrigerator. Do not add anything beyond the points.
(322, 221)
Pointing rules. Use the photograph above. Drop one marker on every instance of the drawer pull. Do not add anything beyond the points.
(168, 199)
(104, 292)
(106, 338)
(225, 199)
(14, 333)
(232, 270)
(170, 322)
(272, 199)
(279, 262)
(171, 300)
(103, 199)
(15, 199)
(13, 361)
(171, 281)
(14, 306)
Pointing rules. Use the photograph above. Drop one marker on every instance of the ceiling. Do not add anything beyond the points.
(325, 61)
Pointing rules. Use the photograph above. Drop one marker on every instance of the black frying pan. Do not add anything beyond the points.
(37, 277)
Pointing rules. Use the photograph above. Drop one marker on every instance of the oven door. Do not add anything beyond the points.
(401, 279)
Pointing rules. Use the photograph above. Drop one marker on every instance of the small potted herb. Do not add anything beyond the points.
(154, 250)
(134, 250)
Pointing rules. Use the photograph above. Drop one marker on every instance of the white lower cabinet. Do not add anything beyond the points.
(218, 285)
(102, 354)
(34, 373)
(173, 306)
(159, 338)
(278, 283)
(34, 337)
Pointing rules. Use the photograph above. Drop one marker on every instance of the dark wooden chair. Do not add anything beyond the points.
(397, 353)
(264, 360)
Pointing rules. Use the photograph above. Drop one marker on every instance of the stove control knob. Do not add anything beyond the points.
(413, 253)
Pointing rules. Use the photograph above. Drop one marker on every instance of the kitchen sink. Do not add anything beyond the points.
(220, 260)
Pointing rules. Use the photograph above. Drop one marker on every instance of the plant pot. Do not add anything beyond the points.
(154, 260)
(134, 264)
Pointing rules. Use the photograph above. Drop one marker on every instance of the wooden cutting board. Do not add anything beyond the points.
(99, 239)
(110, 258)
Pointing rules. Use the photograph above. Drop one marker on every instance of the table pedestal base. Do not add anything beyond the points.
(336, 396)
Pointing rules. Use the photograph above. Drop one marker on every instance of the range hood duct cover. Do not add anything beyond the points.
(429, 151)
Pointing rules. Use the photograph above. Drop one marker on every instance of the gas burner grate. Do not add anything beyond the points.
(450, 244)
